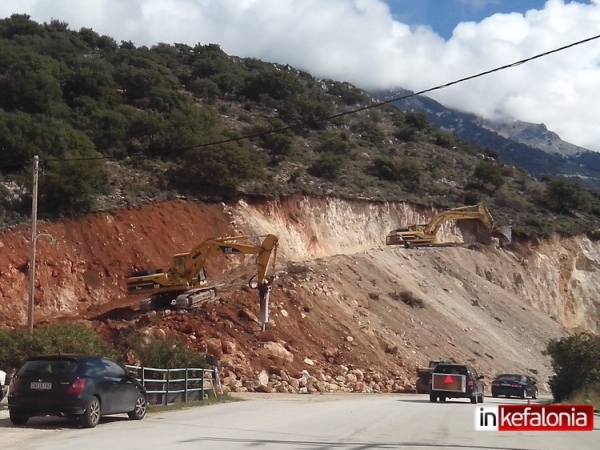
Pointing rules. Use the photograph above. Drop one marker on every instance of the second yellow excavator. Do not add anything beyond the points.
(424, 235)
(185, 286)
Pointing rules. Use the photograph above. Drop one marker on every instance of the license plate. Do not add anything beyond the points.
(505, 384)
(38, 385)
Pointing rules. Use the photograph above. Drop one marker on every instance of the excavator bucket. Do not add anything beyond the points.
(504, 234)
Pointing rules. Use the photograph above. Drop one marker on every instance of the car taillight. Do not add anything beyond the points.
(12, 387)
(495, 383)
(470, 383)
(77, 387)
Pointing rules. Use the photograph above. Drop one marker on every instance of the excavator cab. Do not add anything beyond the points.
(179, 261)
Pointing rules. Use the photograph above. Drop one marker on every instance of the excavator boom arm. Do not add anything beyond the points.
(266, 260)
(462, 213)
(195, 261)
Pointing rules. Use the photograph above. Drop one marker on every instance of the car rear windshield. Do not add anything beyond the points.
(454, 370)
(48, 368)
(509, 378)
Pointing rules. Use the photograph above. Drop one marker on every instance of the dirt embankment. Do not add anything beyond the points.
(337, 310)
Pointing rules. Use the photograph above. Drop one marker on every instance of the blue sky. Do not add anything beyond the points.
(443, 15)
(387, 44)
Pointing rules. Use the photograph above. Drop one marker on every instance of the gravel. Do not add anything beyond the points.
(38, 427)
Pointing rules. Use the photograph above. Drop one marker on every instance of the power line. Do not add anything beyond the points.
(379, 104)
(324, 119)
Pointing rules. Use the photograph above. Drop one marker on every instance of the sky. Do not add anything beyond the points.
(386, 44)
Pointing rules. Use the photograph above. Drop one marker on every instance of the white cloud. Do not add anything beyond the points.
(359, 41)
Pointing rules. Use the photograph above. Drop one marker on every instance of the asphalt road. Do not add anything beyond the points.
(315, 422)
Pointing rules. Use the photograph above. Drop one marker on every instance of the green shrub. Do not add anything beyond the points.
(444, 139)
(408, 298)
(406, 133)
(328, 166)
(564, 196)
(396, 170)
(576, 364)
(489, 173)
(16, 346)
(9, 350)
(165, 353)
(297, 269)
(417, 120)
(334, 144)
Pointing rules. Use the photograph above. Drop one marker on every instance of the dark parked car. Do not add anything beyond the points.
(74, 386)
(456, 381)
(514, 385)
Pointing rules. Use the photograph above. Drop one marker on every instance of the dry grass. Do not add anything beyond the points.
(588, 395)
(211, 400)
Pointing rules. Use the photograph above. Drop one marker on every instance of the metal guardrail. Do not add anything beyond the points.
(167, 386)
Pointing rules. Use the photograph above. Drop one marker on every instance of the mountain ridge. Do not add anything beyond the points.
(531, 146)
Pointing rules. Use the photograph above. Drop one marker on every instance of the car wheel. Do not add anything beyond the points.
(18, 418)
(534, 396)
(480, 398)
(91, 415)
(524, 394)
(139, 410)
(494, 395)
(474, 400)
(442, 399)
(432, 398)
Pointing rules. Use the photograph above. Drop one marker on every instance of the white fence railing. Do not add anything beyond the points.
(167, 386)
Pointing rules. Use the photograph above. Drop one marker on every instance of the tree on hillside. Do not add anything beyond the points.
(218, 171)
(71, 186)
(576, 364)
(20, 25)
(394, 169)
(328, 166)
(28, 82)
(564, 196)
(91, 78)
(488, 173)
(65, 186)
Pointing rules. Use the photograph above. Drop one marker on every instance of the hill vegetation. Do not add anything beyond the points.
(118, 124)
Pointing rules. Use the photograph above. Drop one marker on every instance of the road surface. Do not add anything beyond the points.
(312, 422)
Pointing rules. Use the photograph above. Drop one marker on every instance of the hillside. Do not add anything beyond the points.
(115, 124)
(336, 301)
(146, 152)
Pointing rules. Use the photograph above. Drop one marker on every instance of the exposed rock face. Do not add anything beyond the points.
(338, 322)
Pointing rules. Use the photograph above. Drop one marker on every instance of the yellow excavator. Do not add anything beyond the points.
(424, 235)
(185, 286)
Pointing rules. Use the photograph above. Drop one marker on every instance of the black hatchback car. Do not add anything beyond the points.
(514, 385)
(74, 386)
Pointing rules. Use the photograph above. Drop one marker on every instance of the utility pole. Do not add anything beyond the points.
(36, 166)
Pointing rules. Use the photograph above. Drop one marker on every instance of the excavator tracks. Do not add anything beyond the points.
(194, 298)
(435, 244)
(187, 300)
